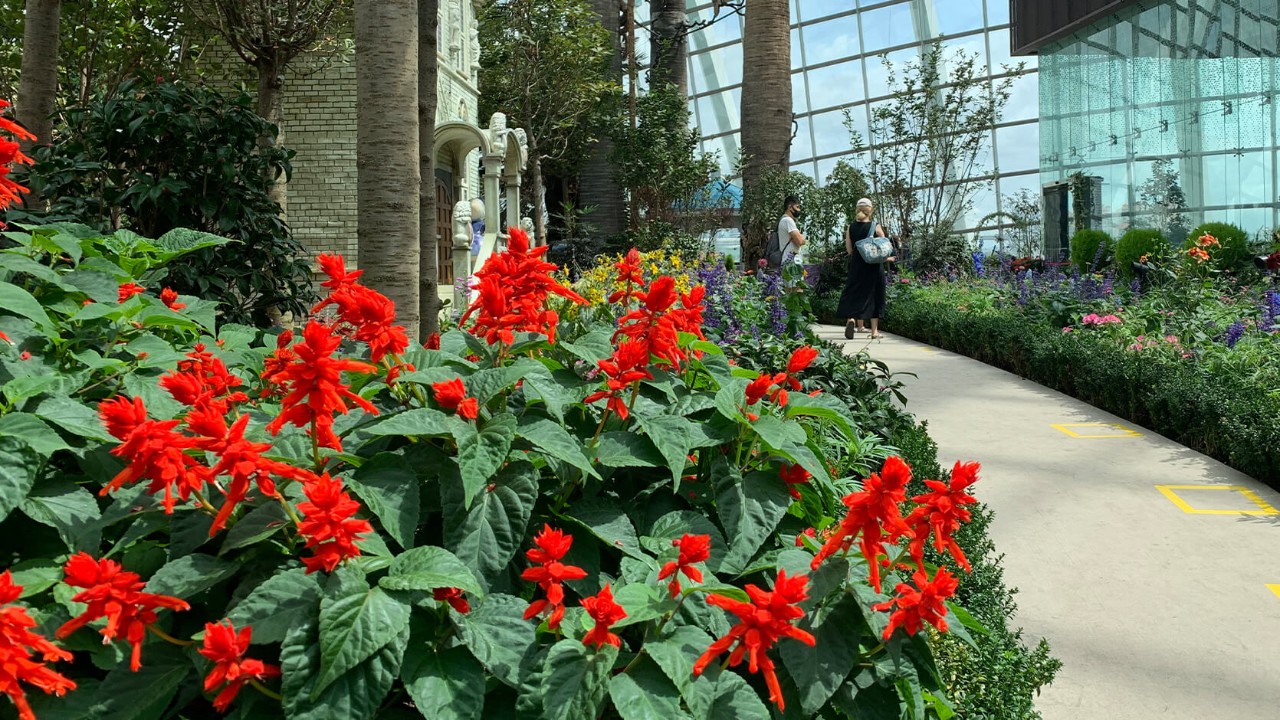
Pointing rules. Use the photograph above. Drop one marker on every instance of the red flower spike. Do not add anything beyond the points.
(794, 475)
(169, 297)
(924, 603)
(19, 648)
(941, 512)
(315, 390)
(154, 452)
(10, 153)
(452, 396)
(761, 623)
(367, 314)
(801, 359)
(758, 389)
(202, 379)
(628, 365)
(514, 286)
(225, 648)
(605, 612)
(329, 524)
(693, 549)
(873, 516)
(433, 341)
(128, 290)
(454, 597)
(630, 277)
(112, 593)
(550, 573)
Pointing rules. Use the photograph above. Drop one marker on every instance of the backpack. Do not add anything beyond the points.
(773, 250)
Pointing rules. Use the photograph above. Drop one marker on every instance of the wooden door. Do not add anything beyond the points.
(444, 232)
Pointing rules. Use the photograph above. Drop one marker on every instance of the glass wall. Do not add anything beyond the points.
(835, 56)
(1180, 93)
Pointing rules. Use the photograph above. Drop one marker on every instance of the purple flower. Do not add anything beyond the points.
(1234, 333)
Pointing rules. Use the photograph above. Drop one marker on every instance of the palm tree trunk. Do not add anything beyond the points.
(597, 186)
(668, 47)
(38, 85)
(766, 102)
(428, 261)
(271, 109)
(387, 159)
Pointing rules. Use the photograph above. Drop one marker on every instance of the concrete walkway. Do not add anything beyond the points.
(1157, 608)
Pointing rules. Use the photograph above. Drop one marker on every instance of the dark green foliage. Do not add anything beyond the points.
(1228, 418)
(999, 679)
(163, 156)
(1135, 244)
(1233, 253)
(1091, 250)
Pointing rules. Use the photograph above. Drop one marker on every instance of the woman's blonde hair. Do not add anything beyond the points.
(864, 213)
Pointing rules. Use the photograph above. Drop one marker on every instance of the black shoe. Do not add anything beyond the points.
(849, 330)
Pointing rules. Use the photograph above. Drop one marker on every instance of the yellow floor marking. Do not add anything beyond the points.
(1275, 589)
(1251, 496)
(1118, 431)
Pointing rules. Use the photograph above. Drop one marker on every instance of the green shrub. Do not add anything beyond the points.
(1136, 243)
(1091, 250)
(1232, 254)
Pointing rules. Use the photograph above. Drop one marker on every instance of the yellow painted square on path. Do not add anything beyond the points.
(1275, 589)
(1096, 431)
(1253, 505)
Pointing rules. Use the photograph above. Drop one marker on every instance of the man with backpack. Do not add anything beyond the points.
(785, 244)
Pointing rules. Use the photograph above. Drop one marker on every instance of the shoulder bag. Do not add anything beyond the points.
(874, 250)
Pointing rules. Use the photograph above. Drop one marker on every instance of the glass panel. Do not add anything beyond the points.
(796, 54)
(1024, 99)
(835, 85)
(958, 16)
(805, 167)
(878, 76)
(1000, 51)
(829, 133)
(972, 46)
(798, 102)
(887, 27)
(812, 9)
(834, 39)
(997, 12)
(802, 145)
(727, 27)
(1018, 148)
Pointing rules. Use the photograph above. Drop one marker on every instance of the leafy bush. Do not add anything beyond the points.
(163, 156)
(1232, 252)
(528, 518)
(1091, 250)
(1136, 244)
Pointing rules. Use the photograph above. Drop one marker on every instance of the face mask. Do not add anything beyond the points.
(798, 214)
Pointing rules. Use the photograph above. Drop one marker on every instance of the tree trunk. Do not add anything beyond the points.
(536, 191)
(766, 102)
(428, 260)
(38, 84)
(271, 109)
(668, 47)
(387, 158)
(597, 186)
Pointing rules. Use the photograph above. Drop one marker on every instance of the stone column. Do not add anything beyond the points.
(511, 178)
(461, 254)
(492, 190)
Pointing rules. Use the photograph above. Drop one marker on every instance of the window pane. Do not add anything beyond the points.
(1024, 99)
(812, 9)
(957, 16)
(997, 12)
(829, 133)
(1018, 148)
(802, 145)
(727, 27)
(887, 27)
(834, 39)
(799, 103)
(835, 85)
(878, 76)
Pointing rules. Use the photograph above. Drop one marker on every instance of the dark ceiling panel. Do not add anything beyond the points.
(1039, 22)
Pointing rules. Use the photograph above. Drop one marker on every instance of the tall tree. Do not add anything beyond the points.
(597, 186)
(428, 261)
(387, 151)
(547, 69)
(39, 81)
(668, 46)
(269, 35)
(766, 103)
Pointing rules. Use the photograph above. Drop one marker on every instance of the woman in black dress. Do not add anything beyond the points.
(863, 296)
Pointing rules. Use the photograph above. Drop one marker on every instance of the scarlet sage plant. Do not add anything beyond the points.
(575, 518)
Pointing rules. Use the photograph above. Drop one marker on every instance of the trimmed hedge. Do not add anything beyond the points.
(1229, 419)
(1092, 250)
(1234, 252)
(1136, 243)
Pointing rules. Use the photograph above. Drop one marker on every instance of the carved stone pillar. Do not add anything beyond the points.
(492, 193)
(461, 254)
(511, 178)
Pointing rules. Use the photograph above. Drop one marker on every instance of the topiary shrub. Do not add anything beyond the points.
(1091, 250)
(1232, 253)
(1137, 243)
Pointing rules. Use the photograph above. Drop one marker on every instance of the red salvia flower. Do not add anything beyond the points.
(794, 475)
(315, 387)
(630, 277)
(454, 597)
(873, 515)
(550, 573)
(433, 341)
(169, 297)
(605, 612)
(514, 286)
(112, 593)
(628, 365)
(688, 317)
(10, 153)
(201, 378)
(761, 623)
(19, 648)
(924, 603)
(329, 524)
(128, 290)
(758, 389)
(693, 549)
(801, 359)
(225, 648)
(370, 315)
(941, 512)
(154, 452)
(452, 396)
(276, 363)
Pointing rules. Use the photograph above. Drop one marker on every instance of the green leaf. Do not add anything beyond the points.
(19, 465)
(181, 241)
(481, 453)
(258, 524)
(15, 300)
(576, 680)
(749, 509)
(282, 601)
(487, 384)
(551, 438)
(36, 576)
(356, 695)
(802, 454)
(820, 670)
(73, 416)
(14, 263)
(497, 634)
(778, 434)
(388, 485)
(606, 520)
(353, 627)
(190, 575)
(144, 695)
(618, 448)
(69, 509)
(99, 286)
(823, 406)
(488, 535)
(644, 693)
(736, 700)
(419, 422)
(673, 437)
(552, 393)
(428, 568)
(33, 431)
(676, 654)
(22, 388)
(674, 525)
(730, 397)
(643, 602)
(865, 697)
(590, 348)
(444, 685)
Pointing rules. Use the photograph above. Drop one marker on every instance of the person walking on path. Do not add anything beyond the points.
(863, 297)
(789, 232)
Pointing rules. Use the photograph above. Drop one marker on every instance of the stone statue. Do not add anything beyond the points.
(473, 42)
(497, 134)
(526, 224)
(462, 224)
(522, 141)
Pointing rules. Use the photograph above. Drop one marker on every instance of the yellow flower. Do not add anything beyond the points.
(675, 261)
